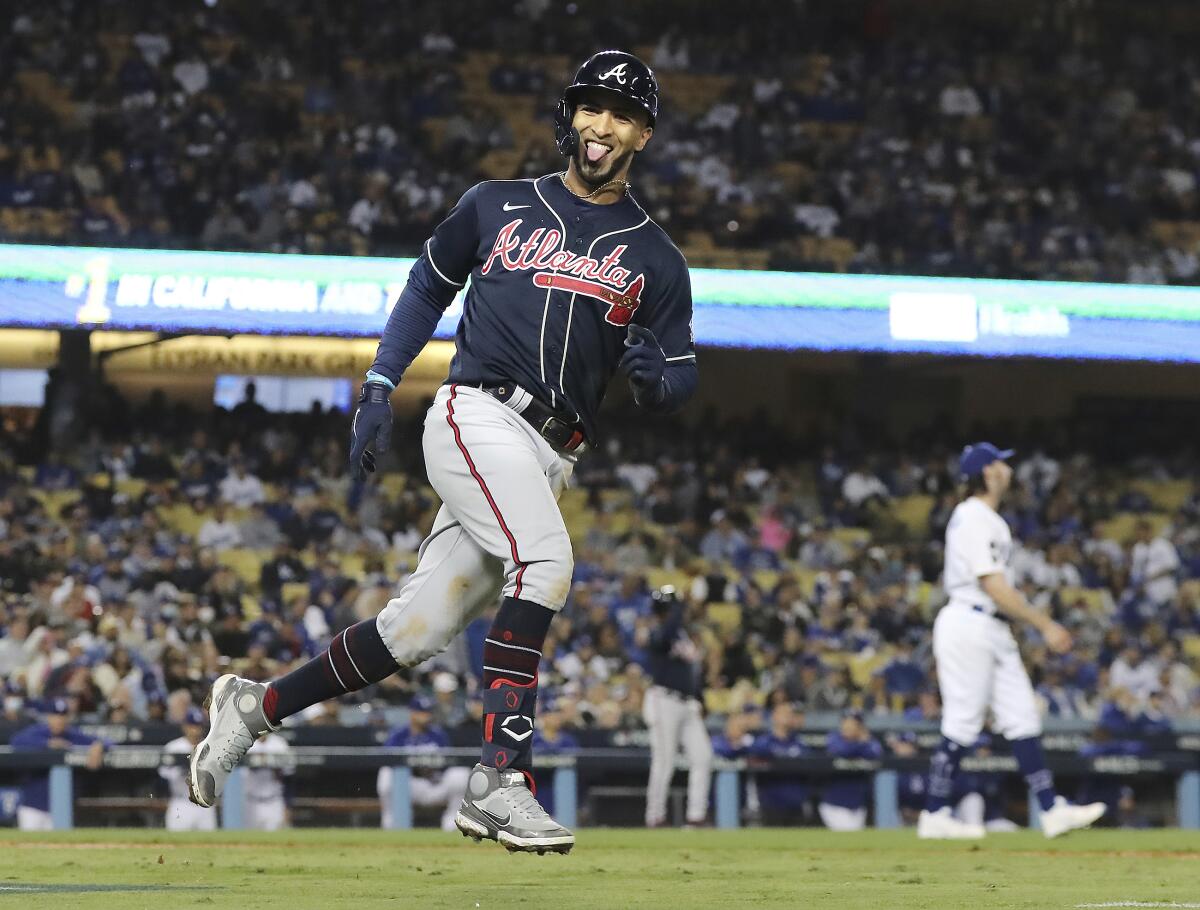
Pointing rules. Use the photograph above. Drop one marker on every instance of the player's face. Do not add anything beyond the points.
(611, 130)
(998, 476)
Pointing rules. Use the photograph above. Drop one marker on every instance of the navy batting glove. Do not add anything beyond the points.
(644, 363)
(372, 423)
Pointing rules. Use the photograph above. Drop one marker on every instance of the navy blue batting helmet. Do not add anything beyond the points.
(613, 71)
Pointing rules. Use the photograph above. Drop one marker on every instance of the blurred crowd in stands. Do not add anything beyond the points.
(1059, 141)
(169, 546)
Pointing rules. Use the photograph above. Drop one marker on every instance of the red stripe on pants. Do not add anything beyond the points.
(512, 541)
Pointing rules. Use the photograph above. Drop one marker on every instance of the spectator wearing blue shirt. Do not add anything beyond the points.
(428, 786)
(782, 796)
(54, 732)
(903, 675)
(843, 805)
(737, 739)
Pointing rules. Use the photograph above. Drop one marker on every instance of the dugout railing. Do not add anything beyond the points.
(1182, 766)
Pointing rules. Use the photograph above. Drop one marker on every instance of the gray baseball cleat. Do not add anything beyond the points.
(499, 805)
(236, 721)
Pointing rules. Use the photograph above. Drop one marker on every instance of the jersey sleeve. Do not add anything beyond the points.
(981, 547)
(396, 739)
(454, 245)
(78, 737)
(438, 274)
(670, 317)
(29, 738)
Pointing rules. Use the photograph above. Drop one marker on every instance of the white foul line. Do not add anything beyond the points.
(1162, 904)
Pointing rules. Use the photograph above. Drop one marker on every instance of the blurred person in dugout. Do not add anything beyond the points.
(844, 800)
(182, 813)
(437, 787)
(266, 794)
(54, 732)
(673, 710)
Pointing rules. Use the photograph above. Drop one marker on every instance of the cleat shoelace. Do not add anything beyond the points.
(238, 745)
(526, 803)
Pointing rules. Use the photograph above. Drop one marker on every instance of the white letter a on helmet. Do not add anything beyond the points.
(617, 72)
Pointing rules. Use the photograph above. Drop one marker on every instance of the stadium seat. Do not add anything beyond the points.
(1121, 527)
(766, 579)
(181, 518)
(862, 667)
(246, 563)
(1167, 495)
(1191, 647)
(54, 501)
(851, 537)
(133, 487)
(293, 589)
(913, 512)
(677, 578)
(1094, 598)
(727, 616)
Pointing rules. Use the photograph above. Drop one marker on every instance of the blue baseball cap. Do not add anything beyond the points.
(978, 455)
(194, 716)
(58, 706)
(421, 703)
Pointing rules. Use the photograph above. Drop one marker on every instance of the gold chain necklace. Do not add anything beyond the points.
(617, 180)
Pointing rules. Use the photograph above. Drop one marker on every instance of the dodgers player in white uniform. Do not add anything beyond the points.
(182, 813)
(265, 806)
(978, 663)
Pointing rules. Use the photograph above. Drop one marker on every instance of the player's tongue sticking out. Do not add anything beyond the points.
(596, 151)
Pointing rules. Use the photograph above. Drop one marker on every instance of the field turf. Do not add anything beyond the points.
(610, 869)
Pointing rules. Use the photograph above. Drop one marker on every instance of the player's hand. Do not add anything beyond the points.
(95, 756)
(644, 363)
(372, 423)
(1057, 638)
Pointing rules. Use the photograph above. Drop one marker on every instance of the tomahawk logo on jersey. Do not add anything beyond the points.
(554, 283)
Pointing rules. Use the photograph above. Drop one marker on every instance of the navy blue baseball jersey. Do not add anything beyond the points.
(673, 659)
(850, 791)
(35, 786)
(555, 281)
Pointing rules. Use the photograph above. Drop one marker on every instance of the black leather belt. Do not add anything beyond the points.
(979, 608)
(563, 434)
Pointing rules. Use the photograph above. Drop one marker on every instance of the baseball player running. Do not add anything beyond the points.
(978, 664)
(674, 714)
(570, 281)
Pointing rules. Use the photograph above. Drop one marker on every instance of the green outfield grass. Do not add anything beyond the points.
(610, 869)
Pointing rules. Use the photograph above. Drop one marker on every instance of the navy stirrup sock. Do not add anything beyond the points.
(943, 767)
(511, 654)
(1031, 761)
(357, 657)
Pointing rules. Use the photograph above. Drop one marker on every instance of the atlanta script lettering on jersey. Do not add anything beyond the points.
(601, 279)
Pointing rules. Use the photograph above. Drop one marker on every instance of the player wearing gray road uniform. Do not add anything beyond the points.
(674, 713)
(978, 663)
(568, 282)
